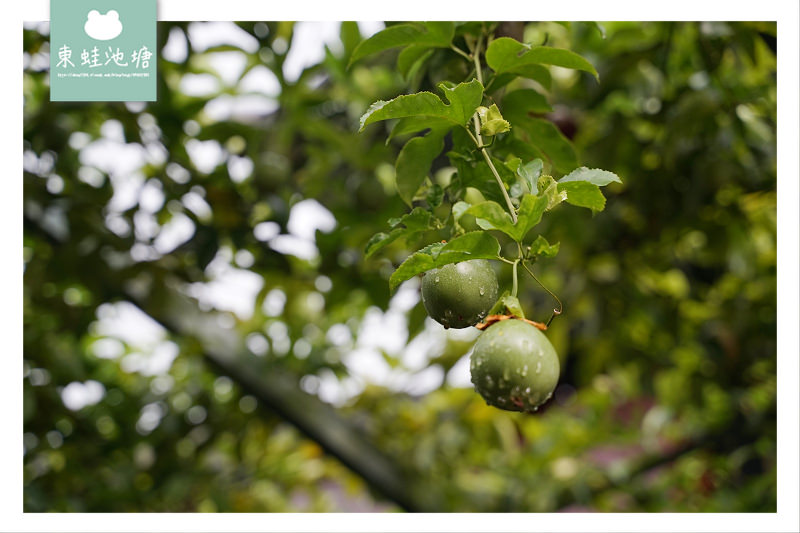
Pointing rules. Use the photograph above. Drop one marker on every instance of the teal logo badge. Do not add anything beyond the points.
(102, 50)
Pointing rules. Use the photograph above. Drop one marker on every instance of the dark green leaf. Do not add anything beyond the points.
(599, 27)
(545, 136)
(474, 245)
(435, 195)
(414, 163)
(411, 59)
(416, 221)
(507, 55)
(404, 126)
(526, 101)
(429, 34)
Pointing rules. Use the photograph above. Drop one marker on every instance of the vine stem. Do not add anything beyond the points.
(560, 305)
(479, 140)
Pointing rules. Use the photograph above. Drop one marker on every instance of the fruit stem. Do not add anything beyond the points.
(514, 278)
(560, 305)
(475, 53)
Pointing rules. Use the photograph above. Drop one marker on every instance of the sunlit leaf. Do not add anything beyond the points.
(506, 55)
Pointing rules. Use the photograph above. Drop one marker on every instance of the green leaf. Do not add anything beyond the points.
(538, 73)
(526, 101)
(583, 194)
(507, 55)
(463, 100)
(429, 34)
(435, 195)
(459, 208)
(350, 36)
(474, 245)
(530, 213)
(593, 175)
(541, 247)
(411, 59)
(546, 136)
(599, 27)
(418, 220)
(414, 162)
(492, 121)
(408, 125)
(490, 215)
(530, 172)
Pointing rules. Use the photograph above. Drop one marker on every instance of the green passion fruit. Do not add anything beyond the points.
(514, 366)
(460, 295)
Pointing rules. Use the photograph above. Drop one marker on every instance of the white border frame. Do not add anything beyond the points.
(787, 13)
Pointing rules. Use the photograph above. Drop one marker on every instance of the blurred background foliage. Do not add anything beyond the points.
(202, 333)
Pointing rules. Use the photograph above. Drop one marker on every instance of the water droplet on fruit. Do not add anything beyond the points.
(436, 279)
(524, 371)
(481, 291)
(539, 367)
(527, 390)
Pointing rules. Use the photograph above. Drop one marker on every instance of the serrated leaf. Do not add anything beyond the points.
(463, 100)
(583, 194)
(430, 34)
(541, 247)
(507, 55)
(592, 175)
(474, 245)
(414, 162)
(530, 172)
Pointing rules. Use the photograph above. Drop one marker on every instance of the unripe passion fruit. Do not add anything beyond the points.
(514, 366)
(460, 295)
